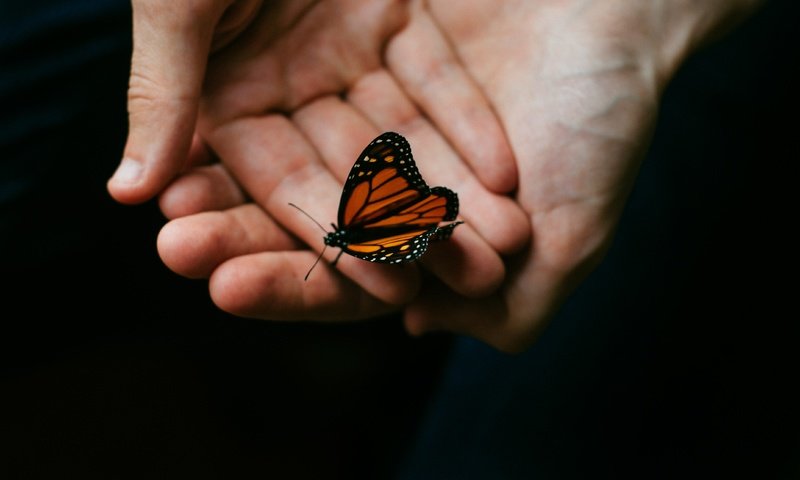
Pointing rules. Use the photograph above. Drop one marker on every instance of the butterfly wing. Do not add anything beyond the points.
(403, 235)
(383, 178)
(387, 212)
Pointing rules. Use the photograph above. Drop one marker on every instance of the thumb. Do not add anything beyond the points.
(171, 42)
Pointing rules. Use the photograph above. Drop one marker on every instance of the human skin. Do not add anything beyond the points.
(537, 113)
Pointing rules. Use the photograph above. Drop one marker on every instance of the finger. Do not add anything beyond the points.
(199, 153)
(259, 286)
(492, 319)
(302, 49)
(194, 246)
(199, 190)
(495, 217)
(276, 165)
(422, 61)
(438, 308)
(465, 264)
(171, 41)
(511, 320)
(339, 132)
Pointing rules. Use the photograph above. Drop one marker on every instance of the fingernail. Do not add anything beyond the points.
(129, 171)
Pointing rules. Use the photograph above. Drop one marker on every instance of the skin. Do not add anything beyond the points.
(536, 113)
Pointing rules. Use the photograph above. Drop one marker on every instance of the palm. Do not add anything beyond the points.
(577, 106)
(287, 106)
(567, 89)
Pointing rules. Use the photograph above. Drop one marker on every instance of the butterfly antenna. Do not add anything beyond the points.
(312, 219)
(315, 262)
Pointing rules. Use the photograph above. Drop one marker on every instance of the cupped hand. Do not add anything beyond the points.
(576, 85)
(290, 95)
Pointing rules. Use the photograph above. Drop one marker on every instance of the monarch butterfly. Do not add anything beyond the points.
(387, 213)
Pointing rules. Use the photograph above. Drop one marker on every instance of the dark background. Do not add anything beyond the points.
(676, 359)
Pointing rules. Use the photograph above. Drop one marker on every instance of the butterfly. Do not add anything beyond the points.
(387, 213)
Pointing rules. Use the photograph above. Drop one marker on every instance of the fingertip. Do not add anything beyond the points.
(487, 320)
(418, 321)
(183, 246)
(136, 182)
(200, 190)
(229, 289)
(414, 325)
(499, 179)
(177, 201)
(501, 222)
(515, 233)
(467, 264)
(125, 185)
(169, 241)
(496, 168)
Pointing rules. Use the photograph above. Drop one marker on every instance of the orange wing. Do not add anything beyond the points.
(387, 212)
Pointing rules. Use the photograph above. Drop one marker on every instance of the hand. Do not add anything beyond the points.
(321, 64)
(576, 89)
(576, 85)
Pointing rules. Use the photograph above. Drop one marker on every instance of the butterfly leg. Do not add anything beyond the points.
(443, 233)
(335, 260)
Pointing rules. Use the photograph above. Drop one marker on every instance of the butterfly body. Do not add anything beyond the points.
(387, 213)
